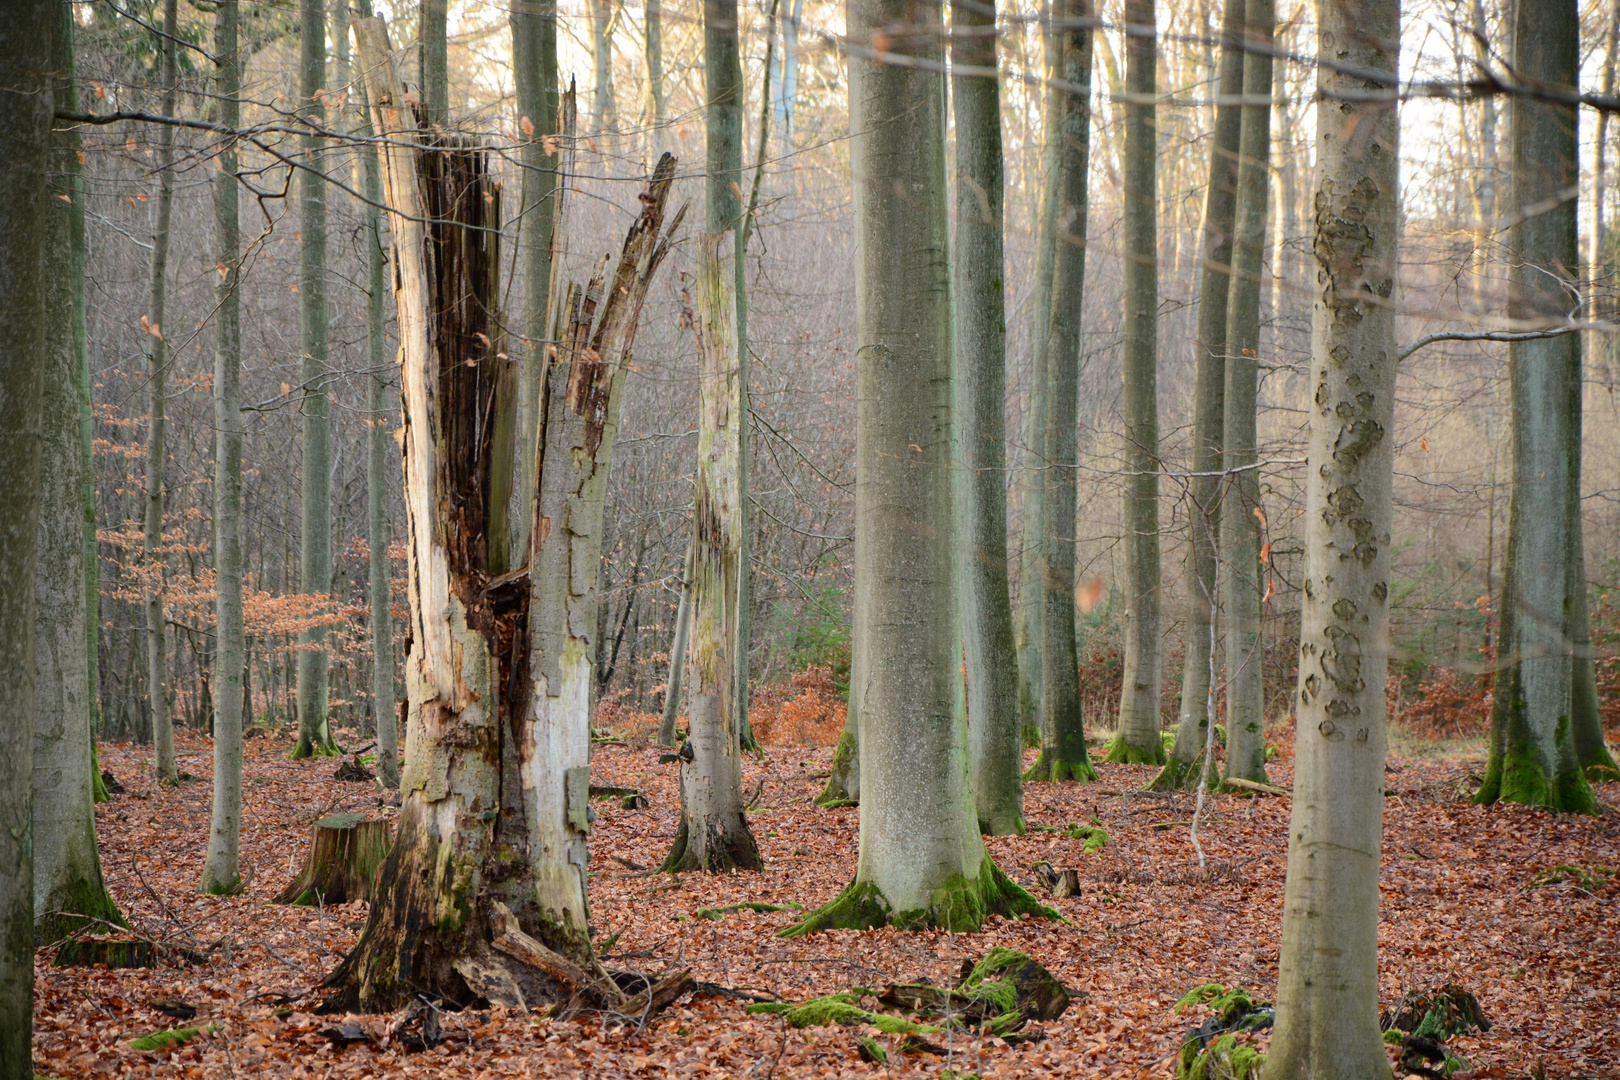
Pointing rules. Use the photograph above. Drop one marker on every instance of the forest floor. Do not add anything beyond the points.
(1465, 899)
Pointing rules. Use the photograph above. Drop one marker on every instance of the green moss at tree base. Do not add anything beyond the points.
(305, 748)
(1515, 776)
(98, 786)
(960, 906)
(83, 907)
(1178, 775)
(1120, 752)
(1050, 767)
(834, 794)
(1601, 768)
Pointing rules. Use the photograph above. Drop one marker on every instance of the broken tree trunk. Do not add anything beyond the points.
(491, 841)
(344, 853)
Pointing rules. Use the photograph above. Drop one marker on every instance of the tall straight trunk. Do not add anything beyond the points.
(1485, 226)
(435, 47)
(1138, 739)
(677, 655)
(25, 122)
(653, 27)
(221, 869)
(1032, 480)
(534, 52)
(157, 372)
(995, 738)
(67, 868)
(713, 833)
(379, 452)
(67, 98)
(1241, 513)
(601, 12)
(1209, 381)
(787, 88)
(483, 894)
(315, 535)
(723, 127)
(1063, 736)
(922, 862)
(1533, 758)
(1327, 985)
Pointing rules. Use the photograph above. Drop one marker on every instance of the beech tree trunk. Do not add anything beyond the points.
(995, 737)
(315, 484)
(1327, 986)
(1063, 735)
(1209, 380)
(1533, 757)
(677, 656)
(601, 14)
(157, 373)
(713, 833)
(922, 862)
(1138, 739)
(435, 47)
(653, 26)
(1241, 528)
(490, 853)
(221, 870)
(25, 122)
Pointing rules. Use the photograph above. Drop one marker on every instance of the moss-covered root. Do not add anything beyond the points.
(1223, 1058)
(171, 1037)
(835, 793)
(1054, 768)
(307, 748)
(959, 906)
(1178, 775)
(84, 908)
(1601, 767)
(1120, 752)
(1516, 776)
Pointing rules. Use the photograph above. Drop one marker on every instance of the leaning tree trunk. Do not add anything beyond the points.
(1063, 734)
(995, 738)
(157, 373)
(667, 734)
(25, 123)
(1209, 381)
(1138, 739)
(1241, 514)
(483, 894)
(67, 867)
(1533, 758)
(315, 486)
(922, 861)
(1327, 985)
(221, 869)
(713, 833)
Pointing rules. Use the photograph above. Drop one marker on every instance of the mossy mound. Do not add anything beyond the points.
(1092, 838)
(1051, 767)
(1119, 752)
(842, 1008)
(171, 1037)
(999, 995)
(1217, 1047)
(1436, 1012)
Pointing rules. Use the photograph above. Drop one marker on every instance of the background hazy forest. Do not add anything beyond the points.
(1452, 421)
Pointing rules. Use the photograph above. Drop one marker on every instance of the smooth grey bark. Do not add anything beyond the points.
(787, 87)
(1032, 477)
(1327, 986)
(602, 111)
(995, 737)
(157, 372)
(723, 128)
(713, 834)
(534, 63)
(1533, 758)
(1063, 737)
(1241, 522)
(1138, 739)
(653, 31)
(221, 868)
(1209, 381)
(677, 656)
(315, 484)
(67, 866)
(25, 122)
(435, 47)
(922, 861)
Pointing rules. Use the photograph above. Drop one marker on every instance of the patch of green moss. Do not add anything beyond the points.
(171, 1037)
(1119, 752)
(1051, 767)
(959, 905)
(1580, 876)
(874, 1050)
(1229, 1005)
(836, 804)
(842, 1008)
(1223, 1059)
(85, 906)
(1514, 774)
(748, 905)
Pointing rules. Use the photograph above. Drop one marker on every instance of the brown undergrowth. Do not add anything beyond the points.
(1467, 898)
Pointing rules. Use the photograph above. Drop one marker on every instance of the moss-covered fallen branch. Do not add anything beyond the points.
(170, 1037)
(747, 905)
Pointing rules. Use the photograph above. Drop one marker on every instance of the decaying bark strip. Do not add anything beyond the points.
(483, 894)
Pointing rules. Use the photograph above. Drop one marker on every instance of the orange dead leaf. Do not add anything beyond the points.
(1265, 552)
(1271, 588)
(1423, 444)
(527, 125)
(1089, 593)
(1261, 514)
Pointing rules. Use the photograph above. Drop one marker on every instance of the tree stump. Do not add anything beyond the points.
(345, 851)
